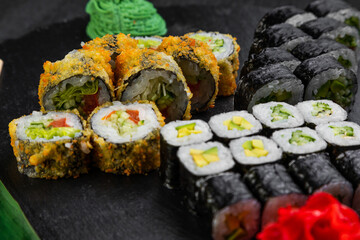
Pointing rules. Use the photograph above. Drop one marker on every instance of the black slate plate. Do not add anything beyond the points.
(99, 205)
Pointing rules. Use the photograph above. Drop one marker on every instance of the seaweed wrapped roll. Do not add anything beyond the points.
(340, 134)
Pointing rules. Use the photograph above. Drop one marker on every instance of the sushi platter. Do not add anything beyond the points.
(184, 161)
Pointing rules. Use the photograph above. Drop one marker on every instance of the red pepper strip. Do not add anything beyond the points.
(59, 123)
(91, 102)
(107, 116)
(134, 115)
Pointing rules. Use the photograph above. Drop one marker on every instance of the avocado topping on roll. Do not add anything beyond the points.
(279, 112)
(126, 122)
(203, 158)
(345, 131)
(347, 40)
(215, 44)
(254, 148)
(345, 62)
(238, 123)
(187, 129)
(321, 109)
(148, 43)
(279, 96)
(299, 138)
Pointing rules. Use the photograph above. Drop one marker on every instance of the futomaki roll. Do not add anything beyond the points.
(315, 173)
(126, 137)
(50, 145)
(145, 74)
(83, 80)
(174, 135)
(148, 42)
(340, 134)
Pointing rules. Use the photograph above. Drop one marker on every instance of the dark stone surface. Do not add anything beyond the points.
(99, 205)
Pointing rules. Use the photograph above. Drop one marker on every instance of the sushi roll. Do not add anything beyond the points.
(145, 74)
(148, 42)
(271, 83)
(235, 212)
(230, 125)
(325, 78)
(172, 136)
(50, 145)
(340, 134)
(270, 56)
(255, 150)
(226, 51)
(317, 112)
(199, 66)
(284, 14)
(343, 54)
(197, 161)
(284, 36)
(82, 80)
(274, 187)
(126, 137)
(295, 141)
(315, 173)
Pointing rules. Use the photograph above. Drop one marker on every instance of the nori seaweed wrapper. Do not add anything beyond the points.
(169, 166)
(317, 27)
(323, 7)
(348, 163)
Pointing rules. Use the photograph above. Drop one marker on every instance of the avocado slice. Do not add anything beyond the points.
(247, 145)
(257, 143)
(190, 126)
(203, 158)
(233, 125)
(254, 148)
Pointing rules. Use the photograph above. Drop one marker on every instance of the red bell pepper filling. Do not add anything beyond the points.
(91, 102)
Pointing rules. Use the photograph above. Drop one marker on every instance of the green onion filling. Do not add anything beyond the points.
(159, 94)
(215, 44)
(347, 40)
(299, 138)
(345, 62)
(279, 96)
(343, 131)
(321, 109)
(41, 130)
(279, 112)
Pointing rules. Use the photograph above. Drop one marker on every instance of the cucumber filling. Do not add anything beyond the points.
(216, 44)
(279, 96)
(347, 40)
(337, 90)
(343, 131)
(346, 63)
(45, 130)
(354, 22)
(235, 225)
(203, 158)
(279, 112)
(238, 123)
(299, 138)
(186, 130)
(125, 122)
(321, 109)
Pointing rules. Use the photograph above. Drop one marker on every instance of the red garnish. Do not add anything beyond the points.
(91, 102)
(107, 116)
(59, 123)
(134, 115)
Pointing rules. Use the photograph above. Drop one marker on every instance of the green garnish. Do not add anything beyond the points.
(353, 21)
(347, 40)
(161, 96)
(321, 109)
(346, 63)
(279, 112)
(279, 96)
(40, 130)
(343, 131)
(148, 43)
(299, 138)
(215, 44)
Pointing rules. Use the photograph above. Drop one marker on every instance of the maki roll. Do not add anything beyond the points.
(126, 137)
(145, 74)
(199, 66)
(226, 51)
(230, 125)
(255, 150)
(148, 42)
(315, 173)
(274, 187)
(340, 134)
(343, 54)
(176, 134)
(235, 212)
(296, 141)
(198, 161)
(83, 80)
(51, 145)
(325, 78)
(271, 83)
(317, 112)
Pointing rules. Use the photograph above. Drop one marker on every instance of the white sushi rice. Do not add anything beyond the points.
(282, 138)
(341, 32)
(290, 45)
(347, 54)
(344, 14)
(111, 134)
(217, 125)
(24, 122)
(306, 108)
(225, 163)
(275, 153)
(263, 113)
(299, 19)
(169, 133)
(327, 133)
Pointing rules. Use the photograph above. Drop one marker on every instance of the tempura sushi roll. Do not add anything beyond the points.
(145, 74)
(235, 212)
(198, 161)
(82, 80)
(315, 173)
(148, 42)
(199, 66)
(317, 112)
(325, 78)
(255, 150)
(226, 51)
(50, 145)
(295, 141)
(274, 187)
(340, 52)
(272, 83)
(340, 134)
(235, 124)
(174, 135)
(126, 137)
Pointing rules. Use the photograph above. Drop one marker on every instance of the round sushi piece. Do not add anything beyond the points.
(278, 115)
(255, 150)
(50, 145)
(199, 66)
(343, 134)
(271, 83)
(176, 134)
(325, 78)
(321, 111)
(343, 54)
(315, 173)
(234, 124)
(145, 74)
(82, 80)
(299, 140)
(126, 137)
(283, 35)
(149, 42)
(284, 14)
(274, 187)
(226, 51)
